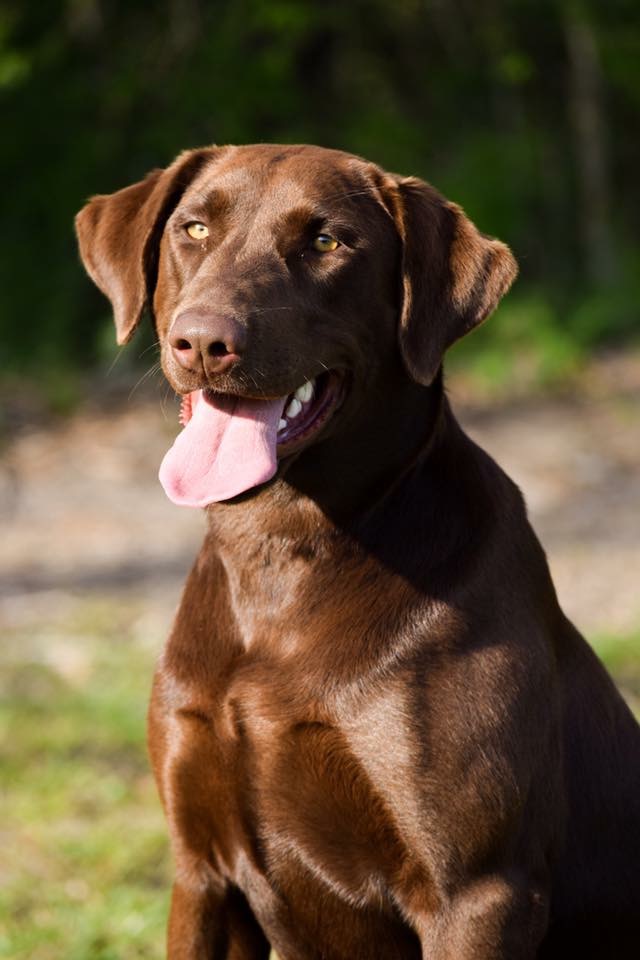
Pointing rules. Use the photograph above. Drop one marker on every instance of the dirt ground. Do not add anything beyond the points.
(81, 509)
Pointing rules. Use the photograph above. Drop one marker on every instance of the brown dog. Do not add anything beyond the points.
(374, 732)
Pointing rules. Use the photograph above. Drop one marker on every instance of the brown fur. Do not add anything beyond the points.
(374, 732)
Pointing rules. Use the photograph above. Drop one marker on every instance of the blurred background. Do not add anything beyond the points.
(525, 112)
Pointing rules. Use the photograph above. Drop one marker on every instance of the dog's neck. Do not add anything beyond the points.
(397, 428)
(402, 528)
(314, 498)
(314, 531)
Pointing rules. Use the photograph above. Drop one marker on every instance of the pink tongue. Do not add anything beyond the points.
(223, 449)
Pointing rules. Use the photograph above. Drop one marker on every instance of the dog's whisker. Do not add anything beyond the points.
(151, 372)
(113, 363)
(156, 345)
(164, 398)
(256, 310)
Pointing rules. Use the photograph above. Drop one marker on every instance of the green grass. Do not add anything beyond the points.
(621, 654)
(85, 872)
(522, 348)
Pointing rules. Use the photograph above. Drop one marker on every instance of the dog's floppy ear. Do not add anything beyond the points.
(452, 275)
(119, 236)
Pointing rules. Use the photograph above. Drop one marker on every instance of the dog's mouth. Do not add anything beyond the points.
(307, 410)
(230, 443)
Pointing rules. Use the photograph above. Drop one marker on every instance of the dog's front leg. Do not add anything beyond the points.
(213, 923)
(210, 919)
(492, 918)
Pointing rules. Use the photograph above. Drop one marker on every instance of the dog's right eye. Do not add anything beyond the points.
(197, 230)
(323, 243)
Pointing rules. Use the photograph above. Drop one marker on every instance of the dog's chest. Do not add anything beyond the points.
(264, 789)
(307, 803)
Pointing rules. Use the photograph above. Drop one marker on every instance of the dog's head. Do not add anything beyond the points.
(287, 285)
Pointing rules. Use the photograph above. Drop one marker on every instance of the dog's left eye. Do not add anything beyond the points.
(197, 230)
(323, 243)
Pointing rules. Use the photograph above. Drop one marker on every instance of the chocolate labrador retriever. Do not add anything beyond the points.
(374, 732)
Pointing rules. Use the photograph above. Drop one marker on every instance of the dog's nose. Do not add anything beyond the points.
(206, 341)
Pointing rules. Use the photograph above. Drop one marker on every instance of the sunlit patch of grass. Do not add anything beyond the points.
(85, 869)
(619, 651)
(621, 655)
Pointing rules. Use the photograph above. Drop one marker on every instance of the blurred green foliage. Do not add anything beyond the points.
(524, 111)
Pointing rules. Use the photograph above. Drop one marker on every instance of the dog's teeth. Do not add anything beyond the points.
(294, 408)
(305, 392)
(282, 423)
